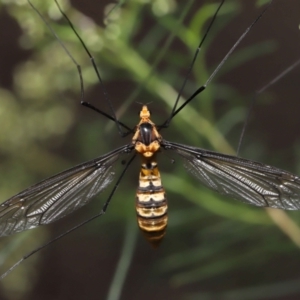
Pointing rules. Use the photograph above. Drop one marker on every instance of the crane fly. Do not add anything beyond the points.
(244, 180)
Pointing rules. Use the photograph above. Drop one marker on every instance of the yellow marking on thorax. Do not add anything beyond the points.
(146, 150)
(151, 203)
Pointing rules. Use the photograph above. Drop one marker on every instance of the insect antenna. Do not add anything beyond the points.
(254, 98)
(203, 87)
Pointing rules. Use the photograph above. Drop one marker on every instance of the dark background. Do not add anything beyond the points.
(215, 248)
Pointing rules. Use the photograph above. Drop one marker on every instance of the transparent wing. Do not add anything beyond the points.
(245, 180)
(59, 195)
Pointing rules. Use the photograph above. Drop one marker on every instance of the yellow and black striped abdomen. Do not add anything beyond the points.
(151, 204)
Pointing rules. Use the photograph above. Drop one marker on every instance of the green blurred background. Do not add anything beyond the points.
(215, 248)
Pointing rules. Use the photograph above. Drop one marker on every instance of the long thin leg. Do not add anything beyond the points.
(167, 123)
(256, 94)
(203, 87)
(102, 212)
(82, 96)
(109, 102)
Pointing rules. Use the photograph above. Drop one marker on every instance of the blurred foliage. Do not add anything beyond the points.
(214, 247)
